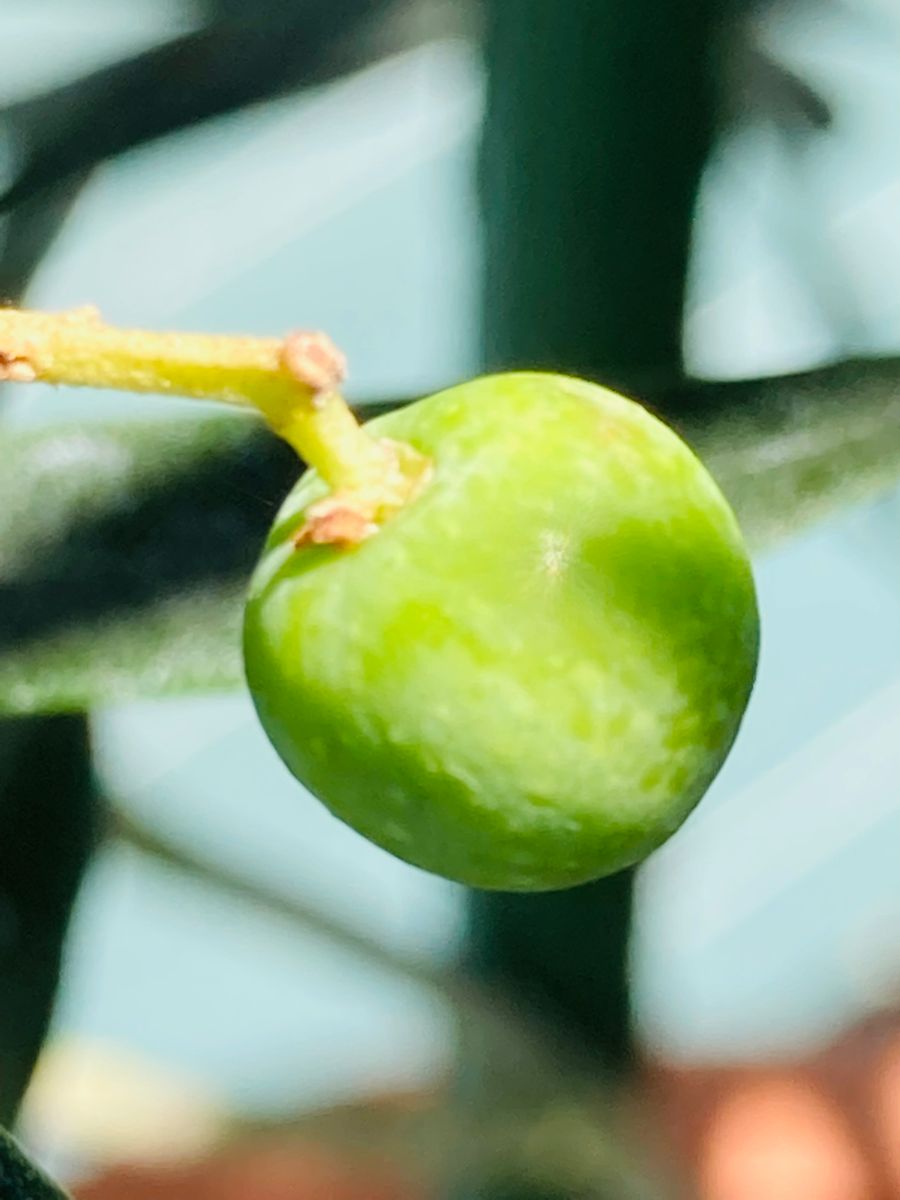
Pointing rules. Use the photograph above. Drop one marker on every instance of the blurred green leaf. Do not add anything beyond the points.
(20, 1179)
(47, 829)
(125, 548)
(124, 552)
(790, 450)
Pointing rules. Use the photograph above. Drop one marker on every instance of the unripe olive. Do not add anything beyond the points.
(528, 676)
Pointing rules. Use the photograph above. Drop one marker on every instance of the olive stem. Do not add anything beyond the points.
(292, 382)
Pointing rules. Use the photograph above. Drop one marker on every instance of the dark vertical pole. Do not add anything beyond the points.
(599, 121)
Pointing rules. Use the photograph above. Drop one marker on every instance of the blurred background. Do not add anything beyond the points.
(699, 204)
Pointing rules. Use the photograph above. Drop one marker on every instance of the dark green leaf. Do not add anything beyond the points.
(47, 825)
(124, 553)
(20, 1179)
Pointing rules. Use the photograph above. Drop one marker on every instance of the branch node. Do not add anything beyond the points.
(314, 360)
(16, 368)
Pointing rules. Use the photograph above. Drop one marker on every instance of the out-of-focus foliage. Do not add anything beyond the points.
(129, 559)
(21, 1179)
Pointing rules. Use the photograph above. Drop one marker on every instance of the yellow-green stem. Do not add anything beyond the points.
(78, 349)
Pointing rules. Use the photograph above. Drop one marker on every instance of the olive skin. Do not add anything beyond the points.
(529, 675)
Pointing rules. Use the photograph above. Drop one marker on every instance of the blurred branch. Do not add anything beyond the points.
(556, 1124)
(125, 547)
(31, 229)
(306, 917)
(530, 1059)
(228, 64)
(755, 82)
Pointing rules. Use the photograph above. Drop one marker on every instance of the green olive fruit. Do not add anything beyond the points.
(528, 676)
